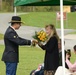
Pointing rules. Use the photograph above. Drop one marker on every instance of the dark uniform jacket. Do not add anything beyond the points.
(12, 42)
(51, 61)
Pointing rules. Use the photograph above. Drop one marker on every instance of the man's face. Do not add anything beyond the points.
(17, 26)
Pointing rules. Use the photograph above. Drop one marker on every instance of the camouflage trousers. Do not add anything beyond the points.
(50, 72)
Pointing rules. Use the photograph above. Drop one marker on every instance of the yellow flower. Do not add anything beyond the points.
(42, 32)
(43, 40)
(39, 37)
(38, 33)
(42, 36)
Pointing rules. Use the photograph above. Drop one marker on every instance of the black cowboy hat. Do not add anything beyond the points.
(16, 19)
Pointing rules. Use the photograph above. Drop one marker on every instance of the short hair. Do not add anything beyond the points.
(74, 47)
(14, 23)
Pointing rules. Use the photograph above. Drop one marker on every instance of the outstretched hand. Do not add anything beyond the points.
(67, 56)
(40, 44)
(34, 42)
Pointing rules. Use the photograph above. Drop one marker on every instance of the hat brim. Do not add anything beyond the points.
(16, 22)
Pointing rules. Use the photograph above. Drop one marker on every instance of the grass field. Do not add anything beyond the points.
(1, 36)
(40, 19)
(30, 57)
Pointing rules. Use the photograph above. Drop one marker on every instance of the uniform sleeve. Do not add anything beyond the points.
(49, 46)
(18, 40)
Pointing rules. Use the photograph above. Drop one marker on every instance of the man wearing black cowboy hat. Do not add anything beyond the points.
(12, 42)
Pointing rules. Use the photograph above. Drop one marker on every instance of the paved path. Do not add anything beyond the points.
(27, 32)
(4, 20)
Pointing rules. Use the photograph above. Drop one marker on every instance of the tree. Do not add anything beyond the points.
(0, 4)
(8, 7)
(42, 0)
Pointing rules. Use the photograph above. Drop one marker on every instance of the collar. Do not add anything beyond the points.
(13, 28)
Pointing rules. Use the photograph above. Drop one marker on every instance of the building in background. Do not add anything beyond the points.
(67, 9)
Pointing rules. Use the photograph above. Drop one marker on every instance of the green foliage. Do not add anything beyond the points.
(46, 8)
(35, 36)
(7, 6)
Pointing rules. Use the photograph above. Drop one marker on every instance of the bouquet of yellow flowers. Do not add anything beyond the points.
(40, 36)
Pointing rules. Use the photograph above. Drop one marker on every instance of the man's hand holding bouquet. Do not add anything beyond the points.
(40, 36)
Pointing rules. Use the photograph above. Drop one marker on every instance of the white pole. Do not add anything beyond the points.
(66, 20)
(15, 11)
(62, 35)
(56, 19)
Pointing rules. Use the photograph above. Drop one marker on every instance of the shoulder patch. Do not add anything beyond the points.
(14, 36)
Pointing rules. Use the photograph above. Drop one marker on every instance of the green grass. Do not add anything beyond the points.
(40, 19)
(30, 57)
(1, 36)
(71, 20)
